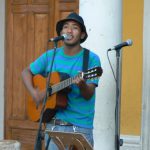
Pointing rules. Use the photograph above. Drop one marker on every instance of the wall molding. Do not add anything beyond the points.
(130, 142)
(145, 130)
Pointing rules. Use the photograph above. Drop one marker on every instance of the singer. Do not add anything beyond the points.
(78, 115)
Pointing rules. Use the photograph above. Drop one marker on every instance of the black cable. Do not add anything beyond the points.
(111, 66)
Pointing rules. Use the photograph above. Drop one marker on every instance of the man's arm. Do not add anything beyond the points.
(27, 77)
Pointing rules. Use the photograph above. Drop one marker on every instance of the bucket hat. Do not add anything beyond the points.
(75, 17)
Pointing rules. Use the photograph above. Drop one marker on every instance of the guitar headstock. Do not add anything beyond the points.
(93, 73)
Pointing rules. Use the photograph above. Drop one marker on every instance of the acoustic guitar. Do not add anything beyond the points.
(58, 89)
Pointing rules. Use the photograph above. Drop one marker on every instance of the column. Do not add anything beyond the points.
(145, 131)
(103, 19)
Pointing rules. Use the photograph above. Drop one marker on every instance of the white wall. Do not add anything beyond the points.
(104, 27)
(2, 32)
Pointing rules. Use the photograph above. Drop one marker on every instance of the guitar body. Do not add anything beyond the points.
(55, 101)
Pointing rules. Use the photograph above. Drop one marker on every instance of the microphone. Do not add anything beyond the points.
(58, 38)
(123, 44)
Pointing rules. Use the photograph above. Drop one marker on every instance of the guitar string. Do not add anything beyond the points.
(63, 84)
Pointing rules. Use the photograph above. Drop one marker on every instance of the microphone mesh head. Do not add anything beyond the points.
(66, 36)
(129, 41)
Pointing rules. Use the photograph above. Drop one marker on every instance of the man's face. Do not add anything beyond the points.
(73, 29)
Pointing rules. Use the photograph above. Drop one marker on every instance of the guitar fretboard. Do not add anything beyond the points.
(89, 74)
(63, 84)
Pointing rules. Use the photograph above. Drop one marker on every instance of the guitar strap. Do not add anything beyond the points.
(85, 60)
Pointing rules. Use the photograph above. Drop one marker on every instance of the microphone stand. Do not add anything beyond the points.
(117, 48)
(118, 141)
(40, 134)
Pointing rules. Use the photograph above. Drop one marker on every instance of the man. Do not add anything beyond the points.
(78, 116)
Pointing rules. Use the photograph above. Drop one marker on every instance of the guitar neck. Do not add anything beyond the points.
(63, 84)
(89, 74)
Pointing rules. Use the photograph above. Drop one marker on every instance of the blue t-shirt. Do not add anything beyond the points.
(79, 111)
